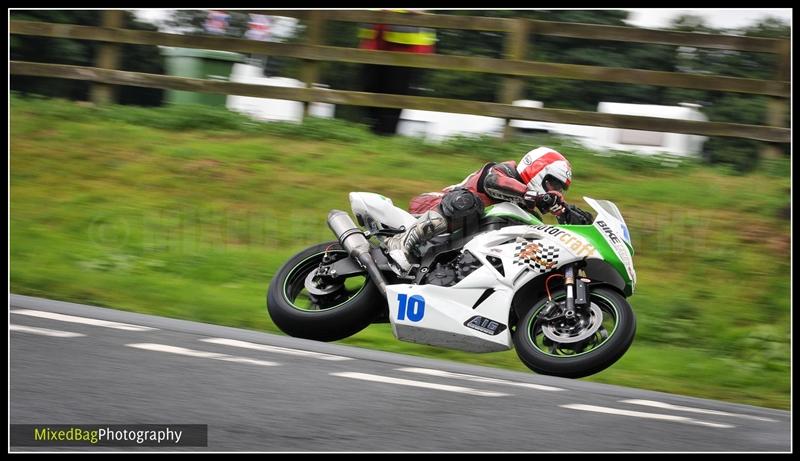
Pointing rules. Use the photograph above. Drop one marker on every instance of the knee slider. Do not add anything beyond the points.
(461, 203)
(462, 208)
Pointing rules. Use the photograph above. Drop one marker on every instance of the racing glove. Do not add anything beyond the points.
(551, 202)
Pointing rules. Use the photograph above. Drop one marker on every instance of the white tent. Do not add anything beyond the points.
(439, 125)
(271, 109)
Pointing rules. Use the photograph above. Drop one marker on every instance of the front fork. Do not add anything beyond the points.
(569, 284)
(576, 289)
(576, 293)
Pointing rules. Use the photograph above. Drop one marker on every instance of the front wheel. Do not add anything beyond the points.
(332, 310)
(590, 341)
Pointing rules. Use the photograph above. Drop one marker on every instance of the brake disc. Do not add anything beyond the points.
(320, 288)
(585, 324)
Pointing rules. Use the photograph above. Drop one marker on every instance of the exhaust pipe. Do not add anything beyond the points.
(353, 240)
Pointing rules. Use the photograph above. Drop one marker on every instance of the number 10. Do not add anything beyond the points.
(416, 307)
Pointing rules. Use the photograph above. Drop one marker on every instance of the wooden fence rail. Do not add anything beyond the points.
(115, 77)
(441, 62)
(515, 67)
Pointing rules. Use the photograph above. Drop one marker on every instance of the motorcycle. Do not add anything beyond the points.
(555, 293)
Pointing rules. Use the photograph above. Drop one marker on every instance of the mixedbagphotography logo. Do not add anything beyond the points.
(109, 435)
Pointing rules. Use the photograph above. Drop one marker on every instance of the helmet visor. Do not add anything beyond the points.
(551, 183)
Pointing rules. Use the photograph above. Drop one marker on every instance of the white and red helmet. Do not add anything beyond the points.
(544, 163)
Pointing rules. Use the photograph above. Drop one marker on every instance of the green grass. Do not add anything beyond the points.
(187, 213)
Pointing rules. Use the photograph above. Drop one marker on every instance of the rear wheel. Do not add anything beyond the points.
(305, 305)
(593, 339)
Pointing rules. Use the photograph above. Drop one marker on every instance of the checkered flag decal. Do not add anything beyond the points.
(542, 258)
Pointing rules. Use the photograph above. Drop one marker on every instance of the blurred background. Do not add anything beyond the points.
(184, 204)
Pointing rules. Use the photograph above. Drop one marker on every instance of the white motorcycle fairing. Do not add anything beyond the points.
(374, 211)
(473, 314)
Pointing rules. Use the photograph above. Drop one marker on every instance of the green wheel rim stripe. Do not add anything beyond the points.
(300, 264)
(535, 315)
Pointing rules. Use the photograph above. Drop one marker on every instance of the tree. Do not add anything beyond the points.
(137, 58)
(559, 93)
(486, 87)
(728, 107)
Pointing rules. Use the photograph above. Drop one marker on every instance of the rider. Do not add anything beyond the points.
(537, 182)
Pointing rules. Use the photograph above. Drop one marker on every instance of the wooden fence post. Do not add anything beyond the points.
(311, 72)
(778, 107)
(108, 57)
(516, 47)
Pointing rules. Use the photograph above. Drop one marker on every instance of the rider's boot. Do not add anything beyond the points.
(401, 246)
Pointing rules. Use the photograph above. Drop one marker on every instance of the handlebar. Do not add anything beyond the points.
(548, 200)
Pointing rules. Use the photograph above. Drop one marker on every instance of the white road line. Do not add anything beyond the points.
(84, 320)
(44, 331)
(200, 354)
(408, 382)
(478, 379)
(263, 363)
(669, 406)
(280, 350)
(639, 414)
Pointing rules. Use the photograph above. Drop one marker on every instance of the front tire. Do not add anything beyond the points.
(342, 313)
(550, 348)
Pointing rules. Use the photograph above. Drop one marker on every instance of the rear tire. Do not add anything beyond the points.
(327, 318)
(530, 341)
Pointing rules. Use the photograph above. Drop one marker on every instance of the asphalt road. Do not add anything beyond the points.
(76, 364)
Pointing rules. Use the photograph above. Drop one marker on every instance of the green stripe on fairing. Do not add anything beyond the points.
(590, 233)
(490, 212)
